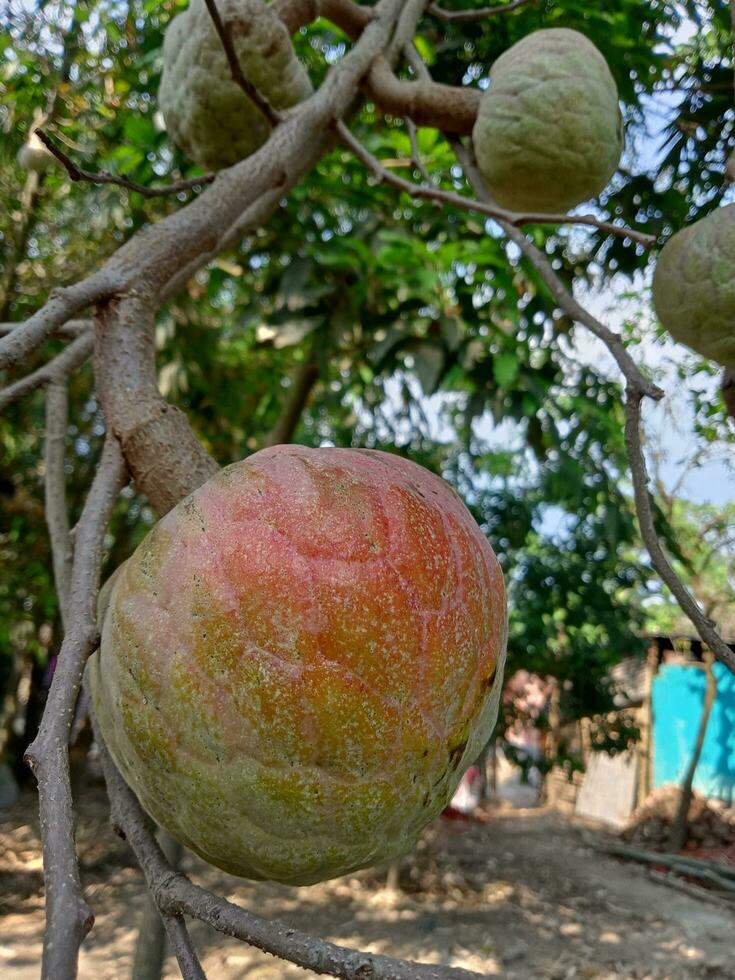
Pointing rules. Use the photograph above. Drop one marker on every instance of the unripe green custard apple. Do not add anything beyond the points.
(207, 114)
(549, 132)
(301, 659)
(694, 286)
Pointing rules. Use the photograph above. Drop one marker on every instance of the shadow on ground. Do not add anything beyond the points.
(521, 896)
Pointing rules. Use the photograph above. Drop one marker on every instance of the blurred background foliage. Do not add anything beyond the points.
(359, 317)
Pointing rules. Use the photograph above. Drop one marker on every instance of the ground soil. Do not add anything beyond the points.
(524, 895)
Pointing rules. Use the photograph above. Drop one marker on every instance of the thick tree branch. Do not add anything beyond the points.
(153, 256)
(480, 13)
(165, 458)
(175, 894)
(348, 16)
(236, 71)
(57, 514)
(68, 918)
(405, 31)
(65, 363)
(428, 103)
(254, 217)
(61, 306)
(164, 455)
(482, 207)
(71, 329)
(76, 173)
(446, 107)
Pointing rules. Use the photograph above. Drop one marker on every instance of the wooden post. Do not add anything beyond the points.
(645, 752)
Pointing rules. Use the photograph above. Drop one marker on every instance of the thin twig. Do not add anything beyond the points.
(177, 894)
(480, 13)
(704, 626)
(472, 204)
(65, 363)
(57, 514)
(556, 286)
(236, 71)
(637, 387)
(415, 153)
(68, 918)
(76, 173)
(181, 944)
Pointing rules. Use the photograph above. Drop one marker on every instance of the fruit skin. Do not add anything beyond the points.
(35, 156)
(694, 286)
(207, 114)
(549, 132)
(300, 660)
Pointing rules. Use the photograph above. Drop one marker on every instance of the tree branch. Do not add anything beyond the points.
(61, 306)
(68, 918)
(175, 894)
(447, 107)
(57, 514)
(181, 944)
(415, 152)
(15, 249)
(348, 16)
(637, 387)
(480, 13)
(71, 329)
(64, 364)
(76, 173)
(297, 396)
(259, 100)
(728, 387)
(428, 103)
(151, 943)
(166, 460)
(556, 286)
(482, 207)
(688, 604)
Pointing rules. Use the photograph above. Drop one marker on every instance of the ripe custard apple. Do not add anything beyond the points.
(207, 114)
(549, 132)
(694, 286)
(301, 659)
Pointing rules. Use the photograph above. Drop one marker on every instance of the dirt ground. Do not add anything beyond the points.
(523, 895)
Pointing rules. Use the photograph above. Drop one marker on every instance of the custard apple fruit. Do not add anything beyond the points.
(549, 131)
(301, 659)
(35, 156)
(694, 286)
(206, 113)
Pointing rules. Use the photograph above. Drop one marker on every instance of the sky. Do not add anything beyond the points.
(668, 424)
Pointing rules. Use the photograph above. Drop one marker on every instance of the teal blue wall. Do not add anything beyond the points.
(678, 696)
